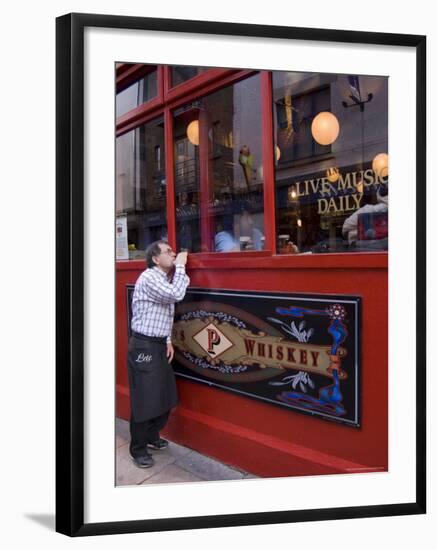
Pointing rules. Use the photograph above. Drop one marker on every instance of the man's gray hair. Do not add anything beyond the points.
(153, 250)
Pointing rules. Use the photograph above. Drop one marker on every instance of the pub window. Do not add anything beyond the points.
(136, 94)
(219, 171)
(141, 188)
(182, 73)
(331, 162)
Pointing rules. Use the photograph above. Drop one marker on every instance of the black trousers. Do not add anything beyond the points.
(145, 432)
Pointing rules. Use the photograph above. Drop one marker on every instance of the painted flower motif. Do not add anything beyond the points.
(336, 311)
(302, 378)
(299, 333)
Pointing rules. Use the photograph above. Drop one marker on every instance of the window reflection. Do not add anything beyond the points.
(138, 93)
(330, 194)
(187, 184)
(141, 185)
(182, 73)
(218, 142)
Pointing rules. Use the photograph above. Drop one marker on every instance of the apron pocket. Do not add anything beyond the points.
(142, 356)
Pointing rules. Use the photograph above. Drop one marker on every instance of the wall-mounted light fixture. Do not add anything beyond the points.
(380, 165)
(193, 132)
(325, 128)
(277, 153)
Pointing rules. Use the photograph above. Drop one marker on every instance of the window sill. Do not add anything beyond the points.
(264, 260)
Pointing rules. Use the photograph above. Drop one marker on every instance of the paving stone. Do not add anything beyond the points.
(119, 441)
(207, 468)
(174, 464)
(127, 473)
(172, 474)
(162, 458)
(122, 428)
(178, 451)
(250, 476)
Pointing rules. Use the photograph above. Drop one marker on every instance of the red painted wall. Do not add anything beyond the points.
(264, 439)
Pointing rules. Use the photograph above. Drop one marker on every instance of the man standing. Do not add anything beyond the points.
(151, 379)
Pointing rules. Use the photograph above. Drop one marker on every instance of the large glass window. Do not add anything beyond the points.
(219, 171)
(331, 162)
(182, 73)
(138, 93)
(187, 183)
(141, 185)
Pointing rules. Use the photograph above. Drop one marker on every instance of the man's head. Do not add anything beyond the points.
(160, 254)
(246, 220)
(228, 222)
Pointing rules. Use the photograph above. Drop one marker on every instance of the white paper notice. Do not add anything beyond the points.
(122, 252)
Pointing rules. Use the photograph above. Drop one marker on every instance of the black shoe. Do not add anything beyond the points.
(159, 444)
(145, 461)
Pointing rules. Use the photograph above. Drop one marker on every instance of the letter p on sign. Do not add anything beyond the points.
(213, 340)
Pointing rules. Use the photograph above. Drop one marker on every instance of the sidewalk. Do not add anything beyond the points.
(172, 465)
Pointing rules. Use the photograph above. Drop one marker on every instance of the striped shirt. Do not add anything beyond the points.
(154, 299)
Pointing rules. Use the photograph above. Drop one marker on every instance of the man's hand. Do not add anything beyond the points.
(294, 248)
(170, 352)
(181, 258)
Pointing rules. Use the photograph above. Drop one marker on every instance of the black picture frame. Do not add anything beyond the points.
(70, 273)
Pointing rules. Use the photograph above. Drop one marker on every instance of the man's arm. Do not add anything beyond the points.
(181, 260)
(163, 292)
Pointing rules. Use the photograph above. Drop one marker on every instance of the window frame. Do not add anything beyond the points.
(168, 100)
(127, 77)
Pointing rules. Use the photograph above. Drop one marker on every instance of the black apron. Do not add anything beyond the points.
(151, 378)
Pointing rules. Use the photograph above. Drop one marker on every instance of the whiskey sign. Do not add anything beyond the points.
(296, 351)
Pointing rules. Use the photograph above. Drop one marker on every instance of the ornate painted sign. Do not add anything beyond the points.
(292, 350)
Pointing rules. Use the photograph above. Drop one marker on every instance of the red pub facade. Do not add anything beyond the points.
(276, 183)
